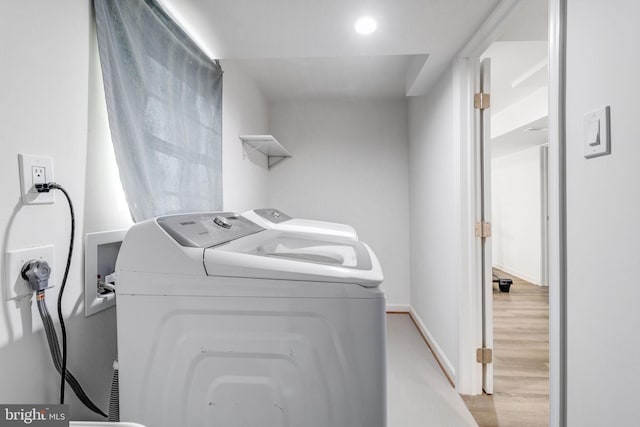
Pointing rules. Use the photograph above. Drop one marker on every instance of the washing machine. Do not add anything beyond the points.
(223, 323)
(278, 220)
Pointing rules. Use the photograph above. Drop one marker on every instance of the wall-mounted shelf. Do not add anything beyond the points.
(267, 145)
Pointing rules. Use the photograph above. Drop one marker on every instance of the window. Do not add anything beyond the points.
(164, 101)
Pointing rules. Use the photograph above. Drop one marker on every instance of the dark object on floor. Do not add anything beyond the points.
(503, 284)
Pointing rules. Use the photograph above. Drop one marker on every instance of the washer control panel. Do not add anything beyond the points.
(204, 230)
(222, 222)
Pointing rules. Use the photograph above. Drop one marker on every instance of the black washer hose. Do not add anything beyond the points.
(54, 349)
(61, 366)
(64, 283)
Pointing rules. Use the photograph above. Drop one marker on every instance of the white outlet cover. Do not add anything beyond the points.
(30, 196)
(15, 285)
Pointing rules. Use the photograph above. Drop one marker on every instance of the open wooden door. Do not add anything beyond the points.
(483, 224)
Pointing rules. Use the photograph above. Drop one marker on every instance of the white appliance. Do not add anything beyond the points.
(278, 220)
(223, 323)
(101, 424)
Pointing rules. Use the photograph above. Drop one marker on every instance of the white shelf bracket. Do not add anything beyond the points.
(267, 145)
(273, 163)
(246, 153)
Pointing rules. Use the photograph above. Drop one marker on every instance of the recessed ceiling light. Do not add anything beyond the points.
(365, 25)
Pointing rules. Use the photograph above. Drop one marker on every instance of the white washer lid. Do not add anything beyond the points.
(274, 254)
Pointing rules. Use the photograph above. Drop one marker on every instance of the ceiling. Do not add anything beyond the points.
(319, 52)
(528, 23)
(519, 68)
(519, 56)
(361, 77)
(530, 135)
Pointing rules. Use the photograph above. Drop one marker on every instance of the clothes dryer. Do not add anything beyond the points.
(278, 220)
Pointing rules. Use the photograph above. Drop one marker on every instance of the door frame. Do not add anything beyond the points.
(557, 215)
(469, 373)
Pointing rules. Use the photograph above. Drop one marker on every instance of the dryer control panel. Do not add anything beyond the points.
(204, 230)
(273, 215)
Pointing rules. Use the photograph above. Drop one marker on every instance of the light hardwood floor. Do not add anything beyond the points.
(521, 359)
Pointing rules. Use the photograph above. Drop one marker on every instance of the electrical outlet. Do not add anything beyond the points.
(38, 175)
(35, 170)
(16, 286)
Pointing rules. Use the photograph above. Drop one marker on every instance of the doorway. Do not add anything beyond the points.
(550, 234)
(514, 200)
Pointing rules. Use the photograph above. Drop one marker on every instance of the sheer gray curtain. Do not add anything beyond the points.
(164, 101)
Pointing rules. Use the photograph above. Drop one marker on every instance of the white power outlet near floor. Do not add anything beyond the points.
(16, 286)
(35, 170)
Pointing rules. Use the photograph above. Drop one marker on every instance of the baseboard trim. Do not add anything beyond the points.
(445, 364)
(398, 308)
(519, 274)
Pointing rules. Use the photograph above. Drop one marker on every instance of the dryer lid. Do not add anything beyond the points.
(275, 219)
(272, 215)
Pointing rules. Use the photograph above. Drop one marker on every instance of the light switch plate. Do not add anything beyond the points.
(597, 135)
(33, 170)
(16, 286)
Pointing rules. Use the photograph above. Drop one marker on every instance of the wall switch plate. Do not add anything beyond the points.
(597, 135)
(35, 170)
(16, 286)
(100, 255)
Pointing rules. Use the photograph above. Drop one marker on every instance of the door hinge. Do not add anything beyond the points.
(484, 355)
(483, 229)
(481, 101)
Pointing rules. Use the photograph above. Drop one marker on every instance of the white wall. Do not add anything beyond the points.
(52, 104)
(244, 111)
(435, 265)
(349, 165)
(516, 209)
(45, 90)
(603, 205)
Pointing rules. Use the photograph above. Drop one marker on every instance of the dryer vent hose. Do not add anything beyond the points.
(114, 398)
